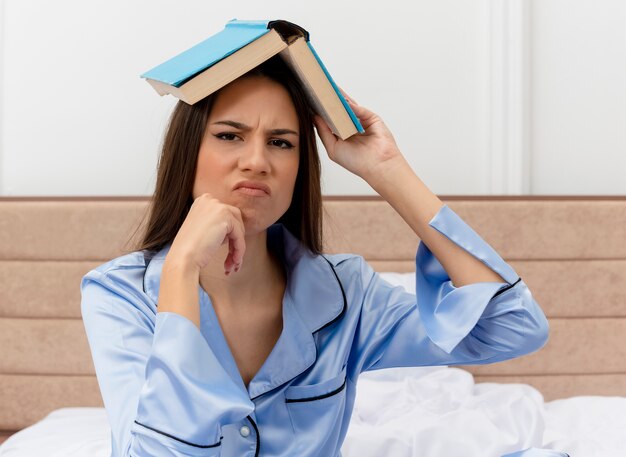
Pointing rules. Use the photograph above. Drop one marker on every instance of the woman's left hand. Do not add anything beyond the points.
(362, 153)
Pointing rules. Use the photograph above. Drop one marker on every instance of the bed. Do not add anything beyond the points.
(569, 397)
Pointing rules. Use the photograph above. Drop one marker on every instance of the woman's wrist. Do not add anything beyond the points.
(387, 173)
(181, 263)
(178, 290)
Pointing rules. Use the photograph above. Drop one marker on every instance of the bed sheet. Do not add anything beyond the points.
(403, 412)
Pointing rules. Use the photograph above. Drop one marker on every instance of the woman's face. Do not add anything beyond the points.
(252, 135)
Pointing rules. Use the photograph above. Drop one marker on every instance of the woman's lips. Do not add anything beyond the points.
(252, 192)
(250, 185)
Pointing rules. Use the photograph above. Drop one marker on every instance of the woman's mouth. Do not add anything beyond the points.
(252, 192)
(253, 188)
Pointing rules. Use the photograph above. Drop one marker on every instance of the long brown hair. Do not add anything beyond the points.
(177, 163)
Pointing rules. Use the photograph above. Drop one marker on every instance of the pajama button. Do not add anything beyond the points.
(245, 431)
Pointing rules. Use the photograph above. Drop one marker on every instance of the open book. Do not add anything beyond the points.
(241, 46)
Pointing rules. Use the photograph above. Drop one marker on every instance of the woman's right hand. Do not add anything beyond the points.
(208, 225)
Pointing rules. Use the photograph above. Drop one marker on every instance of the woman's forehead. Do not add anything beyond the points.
(253, 100)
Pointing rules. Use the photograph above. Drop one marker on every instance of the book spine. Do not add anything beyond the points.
(355, 119)
(252, 24)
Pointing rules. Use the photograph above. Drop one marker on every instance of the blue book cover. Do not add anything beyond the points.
(235, 35)
(355, 119)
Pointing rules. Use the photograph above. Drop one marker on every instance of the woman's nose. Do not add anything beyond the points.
(254, 157)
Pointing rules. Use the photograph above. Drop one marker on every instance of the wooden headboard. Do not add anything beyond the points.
(570, 251)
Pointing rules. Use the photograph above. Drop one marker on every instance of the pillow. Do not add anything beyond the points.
(406, 280)
(65, 432)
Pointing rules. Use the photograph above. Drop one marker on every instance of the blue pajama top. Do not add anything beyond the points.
(173, 389)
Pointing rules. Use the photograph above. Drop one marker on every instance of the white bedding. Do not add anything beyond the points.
(403, 412)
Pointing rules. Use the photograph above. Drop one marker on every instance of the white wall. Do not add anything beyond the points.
(579, 97)
(483, 96)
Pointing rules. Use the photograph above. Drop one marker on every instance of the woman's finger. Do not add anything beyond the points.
(236, 245)
(237, 214)
(325, 133)
(361, 112)
(235, 238)
(347, 97)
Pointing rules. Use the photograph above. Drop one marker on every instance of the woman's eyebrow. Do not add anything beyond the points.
(244, 127)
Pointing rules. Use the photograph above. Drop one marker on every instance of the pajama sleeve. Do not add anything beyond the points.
(164, 391)
(442, 324)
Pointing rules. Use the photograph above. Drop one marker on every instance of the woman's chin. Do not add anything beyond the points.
(256, 220)
(251, 222)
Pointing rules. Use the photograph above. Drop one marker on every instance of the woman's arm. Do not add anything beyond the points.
(470, 306)
(154, 372)
(375, 157)
(178, 292)
(163, 386)
(397, 183)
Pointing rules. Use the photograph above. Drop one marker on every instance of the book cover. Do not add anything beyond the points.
(353, 116)
(235, 35)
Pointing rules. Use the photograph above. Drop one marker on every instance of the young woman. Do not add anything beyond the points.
(228, 332)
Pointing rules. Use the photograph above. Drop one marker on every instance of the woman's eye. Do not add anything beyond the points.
(285, 144)
(229, 135)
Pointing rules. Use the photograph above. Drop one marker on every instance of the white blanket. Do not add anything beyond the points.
(441, 412)
(402, 412)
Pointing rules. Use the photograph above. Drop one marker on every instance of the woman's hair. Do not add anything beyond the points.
(177, 163)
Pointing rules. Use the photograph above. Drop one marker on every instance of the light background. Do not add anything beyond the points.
(483, 96)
